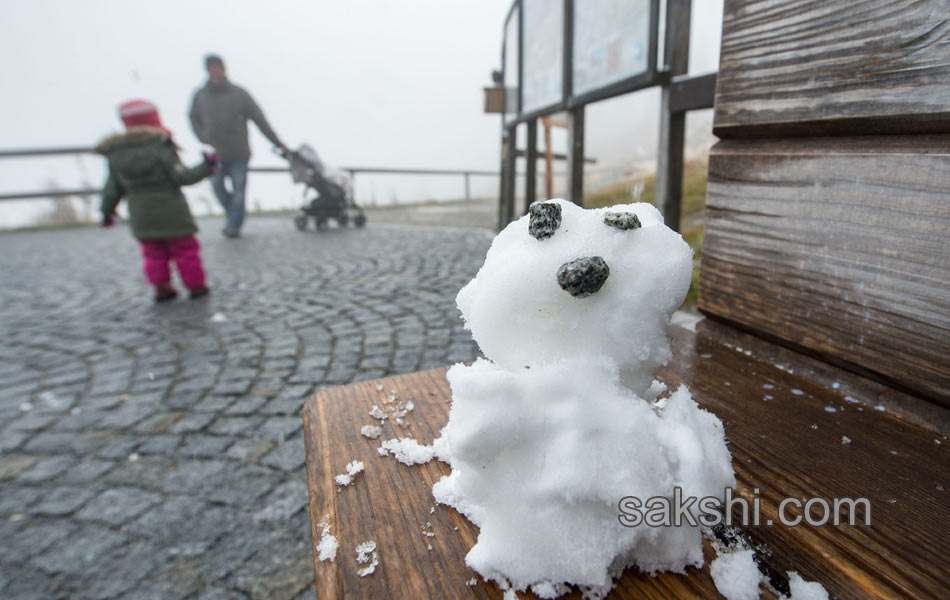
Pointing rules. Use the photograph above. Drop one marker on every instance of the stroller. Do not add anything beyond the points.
(333, 200)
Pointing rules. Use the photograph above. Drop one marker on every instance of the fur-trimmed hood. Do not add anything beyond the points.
(135, 136)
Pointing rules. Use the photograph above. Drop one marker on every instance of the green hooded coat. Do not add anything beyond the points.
(144, 168)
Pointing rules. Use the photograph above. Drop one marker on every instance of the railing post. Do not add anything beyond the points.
(531, 168)
(669, 168)
(506, 204)
(468, 189)
(575, 155)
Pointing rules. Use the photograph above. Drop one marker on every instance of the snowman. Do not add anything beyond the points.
(563, 420)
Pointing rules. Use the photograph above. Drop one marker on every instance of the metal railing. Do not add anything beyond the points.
(467, 174)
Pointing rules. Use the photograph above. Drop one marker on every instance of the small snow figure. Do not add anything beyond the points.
(564, 420)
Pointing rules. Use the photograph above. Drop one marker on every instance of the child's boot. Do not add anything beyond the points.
(199, 292)
(165, 292)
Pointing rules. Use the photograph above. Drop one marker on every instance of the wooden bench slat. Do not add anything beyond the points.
(836, 67)
(899, 555)
(839, 246)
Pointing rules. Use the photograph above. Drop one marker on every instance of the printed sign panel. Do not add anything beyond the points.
(611, 39)
(543, 53)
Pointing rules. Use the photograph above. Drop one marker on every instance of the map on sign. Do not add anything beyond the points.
(511, 64)
(543, 54)
(610, 41)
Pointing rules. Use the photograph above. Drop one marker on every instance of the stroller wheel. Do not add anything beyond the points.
(343, 219)
(321, 223)
(359, 220)
(300, 222)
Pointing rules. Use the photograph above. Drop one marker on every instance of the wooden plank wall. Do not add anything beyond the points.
(828, 210)
(813, 67)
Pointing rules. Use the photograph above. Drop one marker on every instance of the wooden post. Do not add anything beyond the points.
(669, 169)
(548, 160)
(352, 184)
(468, 189)
(531, 168)
(506, 204)
(575, 155)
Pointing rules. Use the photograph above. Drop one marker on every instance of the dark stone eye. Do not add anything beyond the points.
(583, 276)
(622, 220)
(544, 219)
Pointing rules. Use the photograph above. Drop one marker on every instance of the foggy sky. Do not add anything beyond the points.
(366, 82)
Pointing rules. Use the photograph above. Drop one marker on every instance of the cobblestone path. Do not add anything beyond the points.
(155, 451)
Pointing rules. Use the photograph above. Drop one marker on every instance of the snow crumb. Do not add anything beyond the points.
(835, 385)
(366, 553)
(218, 318)
(797, 392)
(326, 548)
(850, 400)
(768, 386)
(371, 431)
(410, 405)
(377, 413)
(831, 409)
(363, 551)
(472, 582)
(548, 590)
(894, 452)
(352, 469)
(379, 387)
(736, 576)
(845, 440)
(805, 590)
(133, 457)
(429, 546)
(880, 407)
(26, 406)
(814, 426)
(382, 451)
(408, 451)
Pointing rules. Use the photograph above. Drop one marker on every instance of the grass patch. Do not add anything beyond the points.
(694, 201)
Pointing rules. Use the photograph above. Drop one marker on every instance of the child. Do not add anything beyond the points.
(145, 169)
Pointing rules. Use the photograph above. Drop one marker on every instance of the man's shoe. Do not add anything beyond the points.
(165, 293)
(199, 292)
(231, 233)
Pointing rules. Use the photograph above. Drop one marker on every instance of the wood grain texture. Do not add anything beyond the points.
(828, 67)
(786, 445)
(392, 503)
(840, 246)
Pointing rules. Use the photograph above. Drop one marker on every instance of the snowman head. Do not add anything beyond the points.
(564, 282)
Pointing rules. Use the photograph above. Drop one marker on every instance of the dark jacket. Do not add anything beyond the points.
(144, 168)
(219, 115)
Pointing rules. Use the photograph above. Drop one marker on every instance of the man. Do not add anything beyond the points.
(219, 114)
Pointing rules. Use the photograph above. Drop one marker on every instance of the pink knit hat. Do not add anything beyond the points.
(140, 112)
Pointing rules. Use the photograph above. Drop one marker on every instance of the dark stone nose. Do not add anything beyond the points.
(583, 276)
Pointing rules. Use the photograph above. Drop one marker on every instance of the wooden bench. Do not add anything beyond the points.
(826, 348)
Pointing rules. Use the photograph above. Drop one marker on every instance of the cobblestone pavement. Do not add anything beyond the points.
(155, 451)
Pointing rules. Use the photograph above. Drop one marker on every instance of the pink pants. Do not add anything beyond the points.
(184, 251)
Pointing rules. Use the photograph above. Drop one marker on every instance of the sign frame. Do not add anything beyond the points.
(652, 76)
